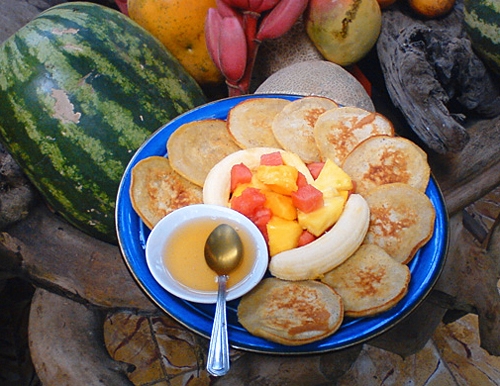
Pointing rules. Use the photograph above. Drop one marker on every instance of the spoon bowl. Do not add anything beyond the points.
(223, 249)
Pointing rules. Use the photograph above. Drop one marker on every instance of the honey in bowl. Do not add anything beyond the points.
(184, 256)
(175, 253)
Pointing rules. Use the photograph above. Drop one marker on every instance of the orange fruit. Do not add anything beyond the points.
(179, 25)
(431, 8)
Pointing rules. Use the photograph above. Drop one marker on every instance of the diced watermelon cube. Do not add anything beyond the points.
(250, 200)
(305, 238)
(260, 218)
(240, 174)
(301, 180)
(315, 168)
(271, 159)
(307, 198)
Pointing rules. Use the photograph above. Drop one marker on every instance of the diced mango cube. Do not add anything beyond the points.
(318, 221)
(239, 189)
(283, 235)
(254, 183)
(281, 205)
(332, 175)
(281, 179)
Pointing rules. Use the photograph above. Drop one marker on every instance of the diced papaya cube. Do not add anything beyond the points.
(240, 174)
(307, 198)
(271, 159)
(282, 178)
(283, 235)
(315, 168)
(332, 176)
(320, 220)
(305, 238)
(281, 205)
(248, 202)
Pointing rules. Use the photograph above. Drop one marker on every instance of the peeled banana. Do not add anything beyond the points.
(311, 261)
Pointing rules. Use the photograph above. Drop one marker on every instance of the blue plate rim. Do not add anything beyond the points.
(426, 266)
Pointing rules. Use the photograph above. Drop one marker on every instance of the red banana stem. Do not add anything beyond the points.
(250, 20)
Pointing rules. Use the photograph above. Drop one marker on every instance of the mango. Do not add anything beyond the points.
(280, 205)
(344, 31)
(283, 235)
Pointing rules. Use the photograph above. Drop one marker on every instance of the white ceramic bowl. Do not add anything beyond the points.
(166, 228)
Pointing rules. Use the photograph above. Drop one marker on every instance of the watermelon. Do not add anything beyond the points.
(81, 88)
(482, 23)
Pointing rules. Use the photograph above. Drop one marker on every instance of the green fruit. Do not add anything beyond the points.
(81, 88)
(482, 23)
(344, 31)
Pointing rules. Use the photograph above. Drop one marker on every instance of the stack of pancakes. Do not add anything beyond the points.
(390, 172)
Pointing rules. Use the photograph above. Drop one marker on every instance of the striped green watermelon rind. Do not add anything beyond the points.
(81, 88)
(482, 23)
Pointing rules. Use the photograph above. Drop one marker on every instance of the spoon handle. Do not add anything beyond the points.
(218, 352)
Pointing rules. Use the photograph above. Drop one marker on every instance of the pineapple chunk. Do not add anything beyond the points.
(280, 205)
(281, 179)
(332, 176)
(256, 183)
(283, 235)
(318, 221)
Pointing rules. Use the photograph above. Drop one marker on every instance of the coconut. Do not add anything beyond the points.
(318, 78)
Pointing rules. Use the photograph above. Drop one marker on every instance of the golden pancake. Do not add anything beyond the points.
(369, 282)
(293, 127)
(291, 312)
(401, 220)
(195, 147)
(383, 160)
(338, 131)
(156, 190)
(250, 122)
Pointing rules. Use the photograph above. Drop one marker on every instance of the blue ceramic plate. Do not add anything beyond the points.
(132, 235)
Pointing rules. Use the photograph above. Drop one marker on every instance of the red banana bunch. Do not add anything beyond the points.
(235, 29)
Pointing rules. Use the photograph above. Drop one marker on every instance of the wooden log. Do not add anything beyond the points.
(470, 278)
(269, 370)
(467, 176)
(56, 256)
(66, 344)
(427, 66)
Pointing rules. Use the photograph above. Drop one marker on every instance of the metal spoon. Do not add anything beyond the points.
(223, 253)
